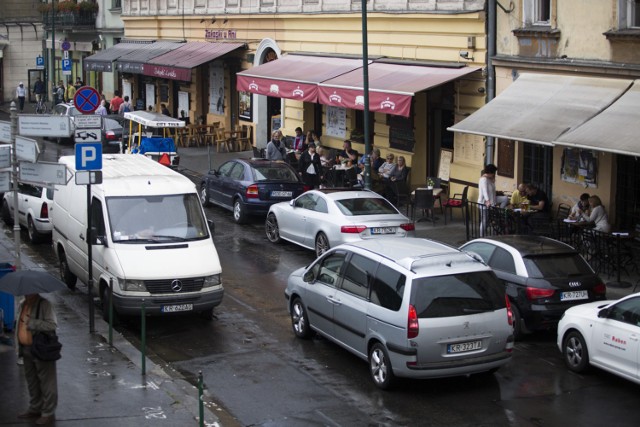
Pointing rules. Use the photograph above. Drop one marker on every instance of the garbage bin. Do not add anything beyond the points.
(7, 302)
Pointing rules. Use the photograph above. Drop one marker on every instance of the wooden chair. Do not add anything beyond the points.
(459, 200)
(221, 139)
(244, 139)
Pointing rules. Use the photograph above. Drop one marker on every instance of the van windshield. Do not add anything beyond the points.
(156, 219)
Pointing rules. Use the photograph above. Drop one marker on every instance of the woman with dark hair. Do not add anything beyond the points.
(309, 166)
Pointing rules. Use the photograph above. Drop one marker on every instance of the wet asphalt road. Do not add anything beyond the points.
(256, 369)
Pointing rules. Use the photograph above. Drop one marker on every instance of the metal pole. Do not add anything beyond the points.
(143, 333)
(53, 51)
(200, 400)
(14, 183)
(90, 262)
(365, 86)
(111, 312)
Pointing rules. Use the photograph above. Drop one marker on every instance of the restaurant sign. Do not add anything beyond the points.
(165, 72)
(220, 34)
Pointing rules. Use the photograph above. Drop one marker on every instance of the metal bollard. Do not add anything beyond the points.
(200, 399)
(143, 332)
(110, 296)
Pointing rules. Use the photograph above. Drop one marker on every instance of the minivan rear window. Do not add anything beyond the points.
(457, 294)
(558, 265)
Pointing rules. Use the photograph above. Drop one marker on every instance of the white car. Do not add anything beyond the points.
(605, 334)
(34, 204)
(323, 219)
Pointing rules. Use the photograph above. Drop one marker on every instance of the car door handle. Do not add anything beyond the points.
(334, 301)
(81, 237)
(633, 337)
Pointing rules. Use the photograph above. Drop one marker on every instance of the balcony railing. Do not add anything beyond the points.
(84, 19)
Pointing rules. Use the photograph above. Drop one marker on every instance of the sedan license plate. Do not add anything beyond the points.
(464, 346)
(574, 295)
(177, 307)
(281, 193)
(383, 230)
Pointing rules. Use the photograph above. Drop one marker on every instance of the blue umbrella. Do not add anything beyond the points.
(26, 282)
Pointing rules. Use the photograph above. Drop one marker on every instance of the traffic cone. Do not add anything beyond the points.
(165, 159)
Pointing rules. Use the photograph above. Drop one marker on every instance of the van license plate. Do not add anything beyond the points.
(464, 346)
(281, 193)
(177, 307)
(383, 230)
(574, 295)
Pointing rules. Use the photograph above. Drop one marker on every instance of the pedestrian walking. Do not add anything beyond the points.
(58, 93)
(37, 314)
(21, 93)
(70, 92)
(39, 89)
(309, 166)
(275, 148)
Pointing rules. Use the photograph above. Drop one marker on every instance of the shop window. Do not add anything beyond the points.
(116, 4)
(357, 134)
(536, 12)
(628, 14)
(401, 133)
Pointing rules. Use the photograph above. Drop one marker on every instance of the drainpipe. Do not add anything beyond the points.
(491, 82)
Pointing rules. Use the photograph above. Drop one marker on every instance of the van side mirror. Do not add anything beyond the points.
(97, 239)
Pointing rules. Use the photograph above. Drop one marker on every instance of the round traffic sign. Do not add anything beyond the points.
(86, 100)
(66, 45)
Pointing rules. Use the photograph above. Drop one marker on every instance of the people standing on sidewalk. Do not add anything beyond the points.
(78, 84)
(102, 109)
(37, 314)
(309, 166)
(21, 93)
(116, 101)
(125, 107)
(70, 92)
(275, 148)
(486, 194)
(39, 89)
(58, 93)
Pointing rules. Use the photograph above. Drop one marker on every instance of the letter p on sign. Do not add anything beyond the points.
(88, 156)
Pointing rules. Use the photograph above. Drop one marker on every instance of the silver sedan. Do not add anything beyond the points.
(322, 219)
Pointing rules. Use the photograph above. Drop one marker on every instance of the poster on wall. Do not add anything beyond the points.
(336, 121)
(216, 88)
(245, 105)
(126, 90)
(579, 166)
(183, 104)
(150, 96)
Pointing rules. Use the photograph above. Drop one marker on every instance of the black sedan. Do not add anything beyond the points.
(543, 277)
(111, 138)
(250, 186)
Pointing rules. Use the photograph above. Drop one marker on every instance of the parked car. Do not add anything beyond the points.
(250, 186)
(34, 203)
(603, 334)
(543, 277)
(322, 219)
(411, 307)
(111, 136)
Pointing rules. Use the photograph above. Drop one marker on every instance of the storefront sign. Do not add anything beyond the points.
(220, 34)
(164, 72)
(131, 67)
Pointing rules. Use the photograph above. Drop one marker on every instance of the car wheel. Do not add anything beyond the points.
(272, 229)
(34, 236)
(238, 212)
(6, 213)
(65, 274)
(204, 194)
(575, 352)
(299, 319)
(322, 244)
(519, 327)
(380, 366)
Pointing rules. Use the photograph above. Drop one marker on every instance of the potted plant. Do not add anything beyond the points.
(88, 6)
(430, 184)
(44, 7)
(67, 6)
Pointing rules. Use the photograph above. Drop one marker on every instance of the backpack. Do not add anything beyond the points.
(127, 107)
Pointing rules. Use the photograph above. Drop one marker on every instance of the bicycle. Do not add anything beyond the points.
(41, 106)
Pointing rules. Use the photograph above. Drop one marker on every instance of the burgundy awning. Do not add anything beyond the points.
(294, 76)
(177, 64)
(391, 86)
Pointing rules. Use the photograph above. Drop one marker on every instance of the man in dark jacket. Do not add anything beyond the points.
(309, 166)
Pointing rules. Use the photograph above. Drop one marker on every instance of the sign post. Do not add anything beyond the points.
(88, 160)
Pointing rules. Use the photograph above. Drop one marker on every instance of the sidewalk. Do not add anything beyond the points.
(97, 385)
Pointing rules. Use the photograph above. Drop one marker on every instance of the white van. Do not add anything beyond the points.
(149, 234)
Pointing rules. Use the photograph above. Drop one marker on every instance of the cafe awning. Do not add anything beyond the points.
(294, 76)
(615, 130)
(177, 64)
(540, 108)
(103, 60)
(391, 86)
(133, 62)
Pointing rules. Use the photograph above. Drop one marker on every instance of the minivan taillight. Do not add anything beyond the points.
(44, 211)
(509, 312)
(413, 328)
(536, 293)
(600, 288)
(252, 192)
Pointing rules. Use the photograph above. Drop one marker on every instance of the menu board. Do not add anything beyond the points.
(446, 157)
(401, 133)
(468, 148)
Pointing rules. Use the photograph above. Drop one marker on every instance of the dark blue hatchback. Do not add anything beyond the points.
(250, 186)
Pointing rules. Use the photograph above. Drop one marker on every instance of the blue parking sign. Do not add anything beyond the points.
(66, 66)
(88, 156)
(39, 62)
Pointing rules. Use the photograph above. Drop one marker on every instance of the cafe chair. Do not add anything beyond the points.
(459, 200)
(400, 194)
(423, 200)
(563, 211)
(244, 139)
(221, 140)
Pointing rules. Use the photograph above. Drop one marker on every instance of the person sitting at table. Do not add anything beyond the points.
(518, 196)
(164, 110)
(299, 143)
(387, 167)
(598, 215)
(312, 137)
(327, 156)
(401, 171)
(538, 200)
(309, 166)
(275, 148)
(348, 154)
(375, 162)
(581, 208)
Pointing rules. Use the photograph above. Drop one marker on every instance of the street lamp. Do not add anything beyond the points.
(365, 87)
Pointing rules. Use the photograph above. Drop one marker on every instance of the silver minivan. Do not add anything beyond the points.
(412, 307)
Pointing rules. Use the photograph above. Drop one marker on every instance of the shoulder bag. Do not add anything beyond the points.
(45, 346)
